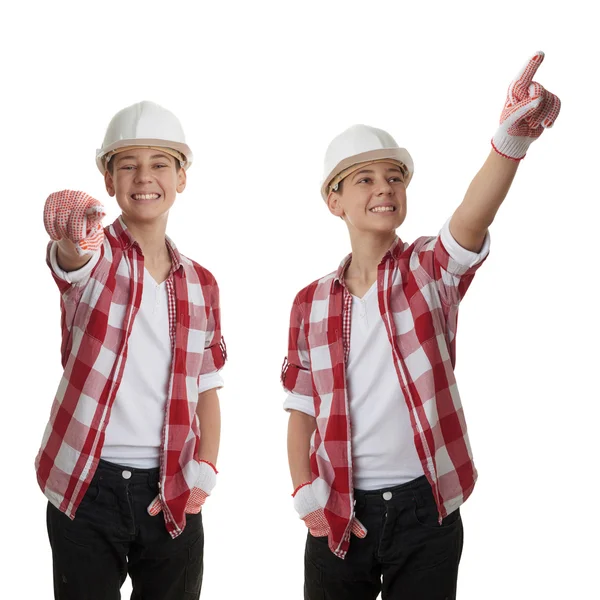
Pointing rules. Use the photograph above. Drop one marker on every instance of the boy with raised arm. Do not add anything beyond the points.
(378, 447)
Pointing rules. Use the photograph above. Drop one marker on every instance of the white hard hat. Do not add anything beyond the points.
(144, 124)
(359, 144)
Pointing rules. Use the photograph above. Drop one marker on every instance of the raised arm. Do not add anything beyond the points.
(529, 109)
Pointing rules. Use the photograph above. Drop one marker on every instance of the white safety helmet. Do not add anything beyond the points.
(148, 125)
(360, 144)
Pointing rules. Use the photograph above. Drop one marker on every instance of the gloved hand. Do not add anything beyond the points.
(312, 513)
(77, 217)
(207, 479)
(529, 109)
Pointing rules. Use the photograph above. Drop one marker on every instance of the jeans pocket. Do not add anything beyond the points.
(434, 544)
(427, 516)
(91, 495)
(151, 488)
(79, 531)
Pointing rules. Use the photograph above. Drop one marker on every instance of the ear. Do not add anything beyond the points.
(334, 204)
(181, 180)
(109, 183)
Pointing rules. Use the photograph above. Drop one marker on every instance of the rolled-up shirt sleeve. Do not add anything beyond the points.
(210, 381)
(72, 277)
(299, 402)
(215, 350)
(296, 375)
(462, 259)
(446, 262)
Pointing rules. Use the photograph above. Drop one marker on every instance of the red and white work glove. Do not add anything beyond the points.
(529, 109)
(311, 512)
(77, 217)
(207, 479)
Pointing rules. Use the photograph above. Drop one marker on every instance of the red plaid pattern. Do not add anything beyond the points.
(193, 506)
(97, 318)
(419, 289)
(198, 495)
(319, 527)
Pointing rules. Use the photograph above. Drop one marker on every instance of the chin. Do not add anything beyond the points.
(388, 227)
(145, 216)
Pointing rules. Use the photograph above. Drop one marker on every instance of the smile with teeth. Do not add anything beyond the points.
(145, 196)
(380, 209)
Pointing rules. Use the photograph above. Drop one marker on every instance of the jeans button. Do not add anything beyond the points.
(387, 495)
(126, 474)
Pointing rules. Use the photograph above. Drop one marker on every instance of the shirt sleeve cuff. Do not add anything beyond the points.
(461, 255)
(301, 403)
(210, 381)
(72, 276)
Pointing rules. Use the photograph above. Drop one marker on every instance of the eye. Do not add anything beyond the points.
(160, 166)
(364, 180)
(396, 180)
(126, 168)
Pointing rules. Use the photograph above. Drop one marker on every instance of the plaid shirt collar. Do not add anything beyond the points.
(126, 240)
(393, 252)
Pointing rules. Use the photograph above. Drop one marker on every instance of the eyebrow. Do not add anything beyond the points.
(131, 157)
(370, 172)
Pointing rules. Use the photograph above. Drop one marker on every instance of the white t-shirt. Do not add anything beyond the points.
(134, 431)
(383, 449)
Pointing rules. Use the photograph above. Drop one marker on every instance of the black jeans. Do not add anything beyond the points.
(406, 554)
(113, 535)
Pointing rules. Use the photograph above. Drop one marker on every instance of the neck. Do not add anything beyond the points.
(367, 252)
(150, 237)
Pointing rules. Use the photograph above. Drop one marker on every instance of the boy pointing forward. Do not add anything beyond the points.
(127, 459)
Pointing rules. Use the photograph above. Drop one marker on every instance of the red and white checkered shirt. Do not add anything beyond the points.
(419, 288)
(98, 312)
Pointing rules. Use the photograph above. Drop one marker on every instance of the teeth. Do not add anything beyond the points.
(145, 196)
(380, 209)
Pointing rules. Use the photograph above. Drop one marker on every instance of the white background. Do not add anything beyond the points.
(261, 88)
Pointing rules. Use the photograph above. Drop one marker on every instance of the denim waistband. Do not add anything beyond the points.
(418, 489)
(108, 471)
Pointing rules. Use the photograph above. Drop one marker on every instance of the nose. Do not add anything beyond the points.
(142, 174)
(384, 188)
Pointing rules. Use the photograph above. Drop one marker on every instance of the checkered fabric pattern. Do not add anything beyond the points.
(419, 289)
(204, 485)
(98, 313)
(528, 110)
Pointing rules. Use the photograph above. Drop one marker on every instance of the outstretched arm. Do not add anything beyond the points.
(529, 109)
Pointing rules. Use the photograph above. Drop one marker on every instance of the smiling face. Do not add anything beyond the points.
(372, 199)
(145, 182)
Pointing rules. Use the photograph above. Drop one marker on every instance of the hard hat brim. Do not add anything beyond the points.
(182, 148)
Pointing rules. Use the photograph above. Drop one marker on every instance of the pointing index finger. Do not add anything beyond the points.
(526, 74)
